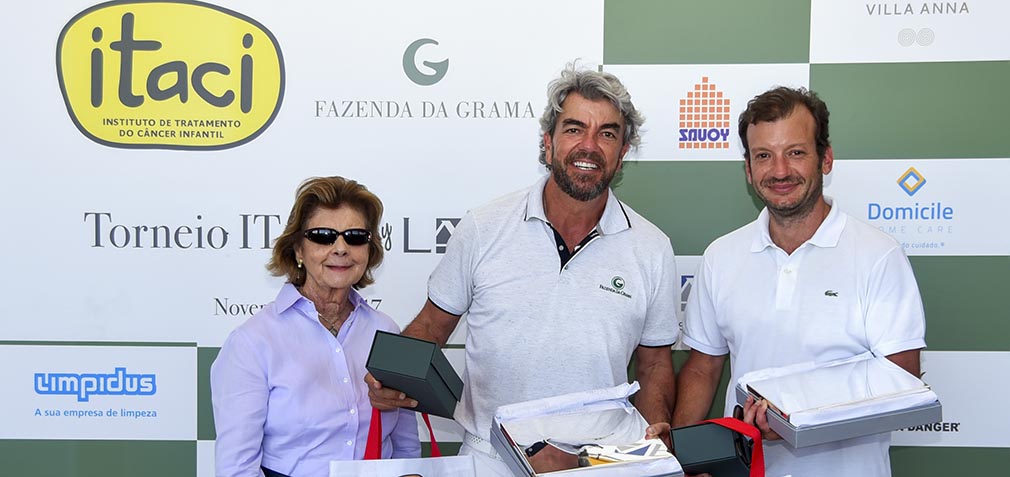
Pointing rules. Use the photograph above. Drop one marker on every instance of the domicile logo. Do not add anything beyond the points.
(169, 75)
(911, 181)
(704, 118)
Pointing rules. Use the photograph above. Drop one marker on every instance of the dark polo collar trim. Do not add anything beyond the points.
(615, 218)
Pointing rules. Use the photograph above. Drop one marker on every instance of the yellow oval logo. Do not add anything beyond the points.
(169, 75)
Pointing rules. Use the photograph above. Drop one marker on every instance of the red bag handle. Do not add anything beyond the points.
(757, 461)
(373, 445)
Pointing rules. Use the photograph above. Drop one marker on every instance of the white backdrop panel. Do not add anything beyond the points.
(933, 207)
(65, 189)
(98, 392)
(855, 31)
(659, 90)
(972, 391)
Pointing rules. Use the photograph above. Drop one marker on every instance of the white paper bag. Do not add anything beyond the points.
(455, 466)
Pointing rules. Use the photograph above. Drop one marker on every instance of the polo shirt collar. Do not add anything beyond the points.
(826, 236)
(614, 219)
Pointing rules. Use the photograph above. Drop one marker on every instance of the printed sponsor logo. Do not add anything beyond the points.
(85, 385)
(439, 68)
(169, 75)
(929, 221)
(935, 427)
(704, 118)
(911, 181)
(435, 108)
(920, 8)
(686, 283)
(444, 227)
(908, 37)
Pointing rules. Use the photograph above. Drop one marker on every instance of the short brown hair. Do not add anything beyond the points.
(326, 193)
(778, 103)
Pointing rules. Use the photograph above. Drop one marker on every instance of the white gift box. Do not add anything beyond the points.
(811, 404)
(600, 418)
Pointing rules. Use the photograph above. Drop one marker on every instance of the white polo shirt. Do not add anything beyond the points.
(847, 290)
(536, 329)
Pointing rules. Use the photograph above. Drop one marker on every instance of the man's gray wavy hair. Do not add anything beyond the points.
(592, 85)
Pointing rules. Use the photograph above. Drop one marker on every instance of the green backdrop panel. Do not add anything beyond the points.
(88, 458)
(961, 461)
(709, 32)
(694, 202)
(204, 408)
(963, 298)
(916, 110)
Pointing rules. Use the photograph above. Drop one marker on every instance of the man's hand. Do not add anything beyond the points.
(550, 459)
(756, 414)
(386, 399)
(661, 431)
(431, 324)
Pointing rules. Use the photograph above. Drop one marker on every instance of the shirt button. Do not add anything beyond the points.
(350, 443)
(338, 350)
(346, 380)
(561, 247)
(354, 411)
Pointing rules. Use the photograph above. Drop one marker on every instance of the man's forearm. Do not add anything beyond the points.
(432, 324)
(696, 385)
(654, 372)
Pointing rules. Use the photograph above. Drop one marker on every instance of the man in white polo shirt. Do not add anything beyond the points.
(804, 282)
(561, 283)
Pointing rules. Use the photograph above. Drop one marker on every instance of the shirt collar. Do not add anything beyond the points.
(614, 219)
(289, 297)
(826, 236)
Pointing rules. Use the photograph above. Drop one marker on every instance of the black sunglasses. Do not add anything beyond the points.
(328, 236)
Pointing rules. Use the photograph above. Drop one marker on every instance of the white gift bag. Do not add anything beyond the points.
(455, 466)
(374, 466)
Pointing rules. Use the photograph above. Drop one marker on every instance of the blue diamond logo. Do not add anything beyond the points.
(911, 181)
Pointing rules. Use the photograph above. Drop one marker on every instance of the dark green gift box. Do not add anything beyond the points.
(419, 369)
(712, 449)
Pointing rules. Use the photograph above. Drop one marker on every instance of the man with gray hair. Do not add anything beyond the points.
(562, 284)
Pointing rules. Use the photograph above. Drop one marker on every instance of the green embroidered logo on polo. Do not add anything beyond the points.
(616, 286)
(617, 282)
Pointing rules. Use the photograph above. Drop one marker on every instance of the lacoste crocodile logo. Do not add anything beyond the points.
(830, 293)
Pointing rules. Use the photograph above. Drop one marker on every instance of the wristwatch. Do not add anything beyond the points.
(533, 449)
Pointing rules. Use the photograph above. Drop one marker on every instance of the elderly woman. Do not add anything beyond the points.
(288, 386)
